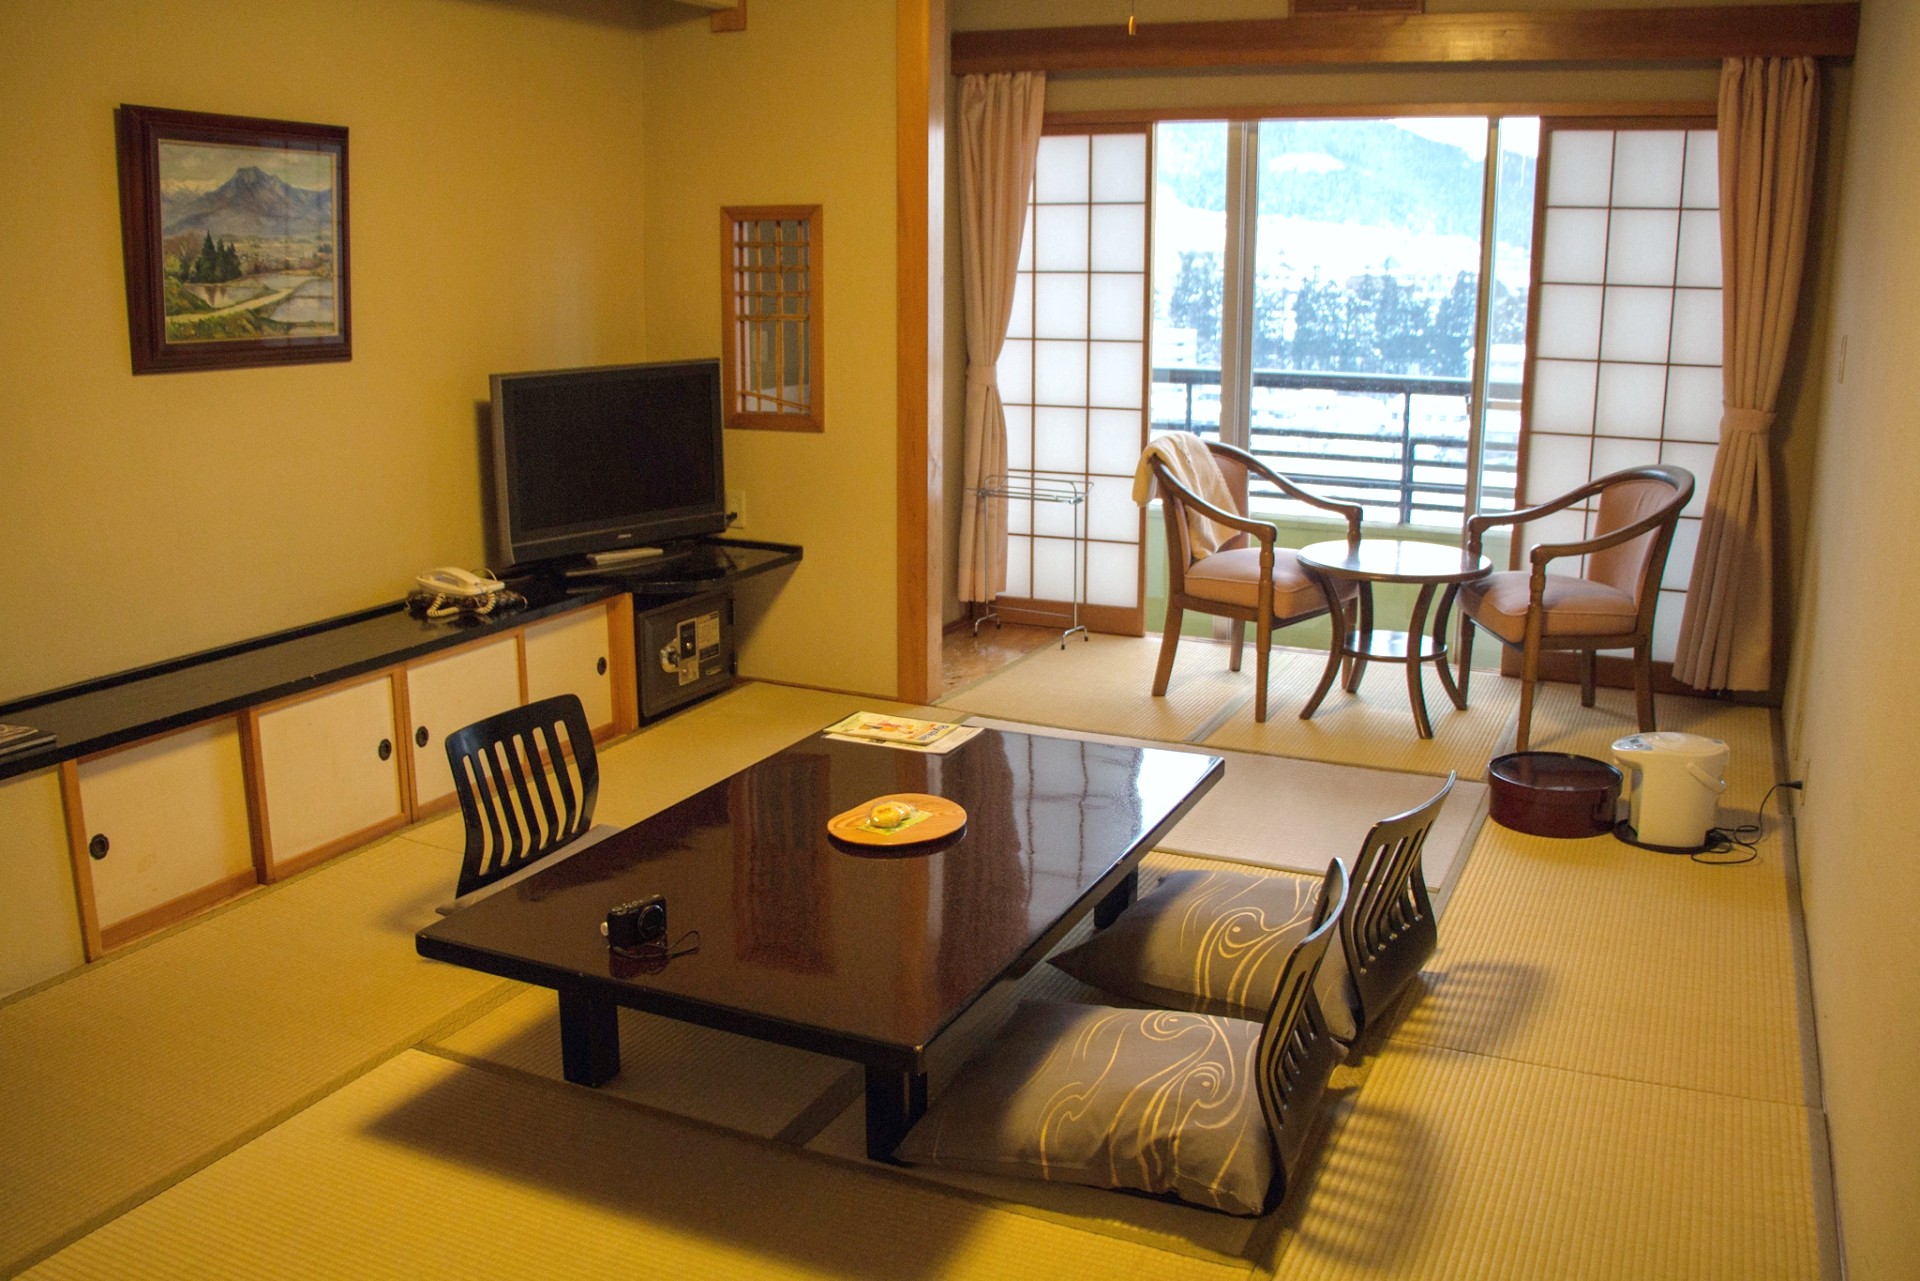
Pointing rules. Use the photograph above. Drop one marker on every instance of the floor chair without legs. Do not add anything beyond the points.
(1215, 1111)
(1215, 942)
(526, 794)
(1609, 606)
(1247, 578)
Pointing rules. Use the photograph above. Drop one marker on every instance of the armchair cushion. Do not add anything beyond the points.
(1214, 943)
(1233, 578)
(1154, 1100)
(1574, 606)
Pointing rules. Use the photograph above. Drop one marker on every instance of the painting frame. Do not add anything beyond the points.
(175, 322)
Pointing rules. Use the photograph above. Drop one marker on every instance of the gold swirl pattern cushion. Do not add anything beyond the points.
(1159, 1101)
(1214, 943)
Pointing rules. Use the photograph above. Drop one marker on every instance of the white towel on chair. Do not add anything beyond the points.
(1191, 463)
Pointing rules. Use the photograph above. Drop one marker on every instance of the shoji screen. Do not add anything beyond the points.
(1073, 373)
(1626, 345)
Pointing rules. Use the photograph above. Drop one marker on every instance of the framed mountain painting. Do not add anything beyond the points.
(235, 236)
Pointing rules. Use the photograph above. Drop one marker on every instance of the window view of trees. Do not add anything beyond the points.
(1368, 256)
(1366, 260)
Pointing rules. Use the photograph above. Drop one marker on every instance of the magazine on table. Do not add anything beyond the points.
(902, 732)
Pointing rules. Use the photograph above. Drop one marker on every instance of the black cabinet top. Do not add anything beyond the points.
(129, 706)
(133, 705)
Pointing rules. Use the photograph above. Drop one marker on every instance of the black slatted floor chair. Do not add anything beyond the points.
(527, 779)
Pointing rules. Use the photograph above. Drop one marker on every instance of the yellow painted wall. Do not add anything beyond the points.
(496, 194)
(797, 109)
(1855, 687)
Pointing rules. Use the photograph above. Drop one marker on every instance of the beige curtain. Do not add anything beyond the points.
(999, 137)
(1768, 110)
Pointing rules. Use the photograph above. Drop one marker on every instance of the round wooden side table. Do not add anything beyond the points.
(1355, 643)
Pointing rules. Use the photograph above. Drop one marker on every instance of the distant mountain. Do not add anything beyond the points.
(1361, 173)
(251, 203)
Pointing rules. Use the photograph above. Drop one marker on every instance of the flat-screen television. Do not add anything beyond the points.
(603, 459)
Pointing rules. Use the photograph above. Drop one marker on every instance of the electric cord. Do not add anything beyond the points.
(1720, 841)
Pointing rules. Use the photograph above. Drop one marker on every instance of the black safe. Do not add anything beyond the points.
(684, 650)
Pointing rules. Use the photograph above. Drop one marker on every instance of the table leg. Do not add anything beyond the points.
(1363, 642)
(895, 1100)
(1336, 647)
(1440, 620)
(589, 1038)
(1118, 900)
(1416, 637)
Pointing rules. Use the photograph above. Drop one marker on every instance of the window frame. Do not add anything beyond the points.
(734, 325)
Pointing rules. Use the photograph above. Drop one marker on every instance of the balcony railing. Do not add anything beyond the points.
(1395, 444)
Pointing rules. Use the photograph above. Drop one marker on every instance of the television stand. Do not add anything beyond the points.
(683, 612)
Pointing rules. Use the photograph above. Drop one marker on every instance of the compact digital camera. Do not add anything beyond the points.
(640, 923)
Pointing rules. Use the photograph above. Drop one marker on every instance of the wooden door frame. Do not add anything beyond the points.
(920, 39)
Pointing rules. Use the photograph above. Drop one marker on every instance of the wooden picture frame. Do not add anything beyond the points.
(234, 231)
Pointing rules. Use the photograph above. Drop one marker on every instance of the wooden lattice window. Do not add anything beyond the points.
(772, 347)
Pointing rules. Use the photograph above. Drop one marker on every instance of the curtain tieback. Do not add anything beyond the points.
(982, 376)
(1744, 422)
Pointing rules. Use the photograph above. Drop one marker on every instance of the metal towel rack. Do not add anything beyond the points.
(1043, 490)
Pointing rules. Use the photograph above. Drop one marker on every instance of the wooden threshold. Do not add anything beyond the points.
(1109, 620)
(1697, 34)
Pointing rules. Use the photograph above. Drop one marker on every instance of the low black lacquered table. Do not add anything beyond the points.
(1355, 642)
(849, 951)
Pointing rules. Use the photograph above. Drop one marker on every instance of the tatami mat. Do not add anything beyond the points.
(1374, 727)
(139, 1069)
(1274, 811)
(1601, 1076)
(1458, 1165)
(1597, 956)
(751, 1086)
(1105, 685)
(427, 1168)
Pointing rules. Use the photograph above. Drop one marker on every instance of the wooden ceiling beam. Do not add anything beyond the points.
(1541, 36)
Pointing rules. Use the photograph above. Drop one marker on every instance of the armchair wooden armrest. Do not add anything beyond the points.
(1258, 529)
(1351, 512)
(1480, 522)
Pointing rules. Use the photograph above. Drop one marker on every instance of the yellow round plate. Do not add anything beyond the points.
(944, 818)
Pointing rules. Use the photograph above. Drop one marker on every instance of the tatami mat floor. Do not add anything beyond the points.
(1601, 1076)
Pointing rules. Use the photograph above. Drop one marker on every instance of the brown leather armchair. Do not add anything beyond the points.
(1247, 578)
(1610, 606)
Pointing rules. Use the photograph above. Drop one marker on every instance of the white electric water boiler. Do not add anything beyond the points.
(1674, 782)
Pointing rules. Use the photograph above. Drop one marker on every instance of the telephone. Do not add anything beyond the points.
(450, 591)
(450, 580)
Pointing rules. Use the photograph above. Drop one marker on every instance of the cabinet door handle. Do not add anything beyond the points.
(386, 748)
(601, 667)
(420, 736)
(99, 845)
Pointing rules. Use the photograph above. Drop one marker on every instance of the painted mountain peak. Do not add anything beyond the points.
(251, 203)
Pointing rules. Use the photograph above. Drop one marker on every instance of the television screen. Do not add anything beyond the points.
(593, 460)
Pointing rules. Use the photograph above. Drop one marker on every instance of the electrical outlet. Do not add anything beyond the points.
(736, 509)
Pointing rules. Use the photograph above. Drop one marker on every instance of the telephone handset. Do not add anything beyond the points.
(450, 591)
(452, 581)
